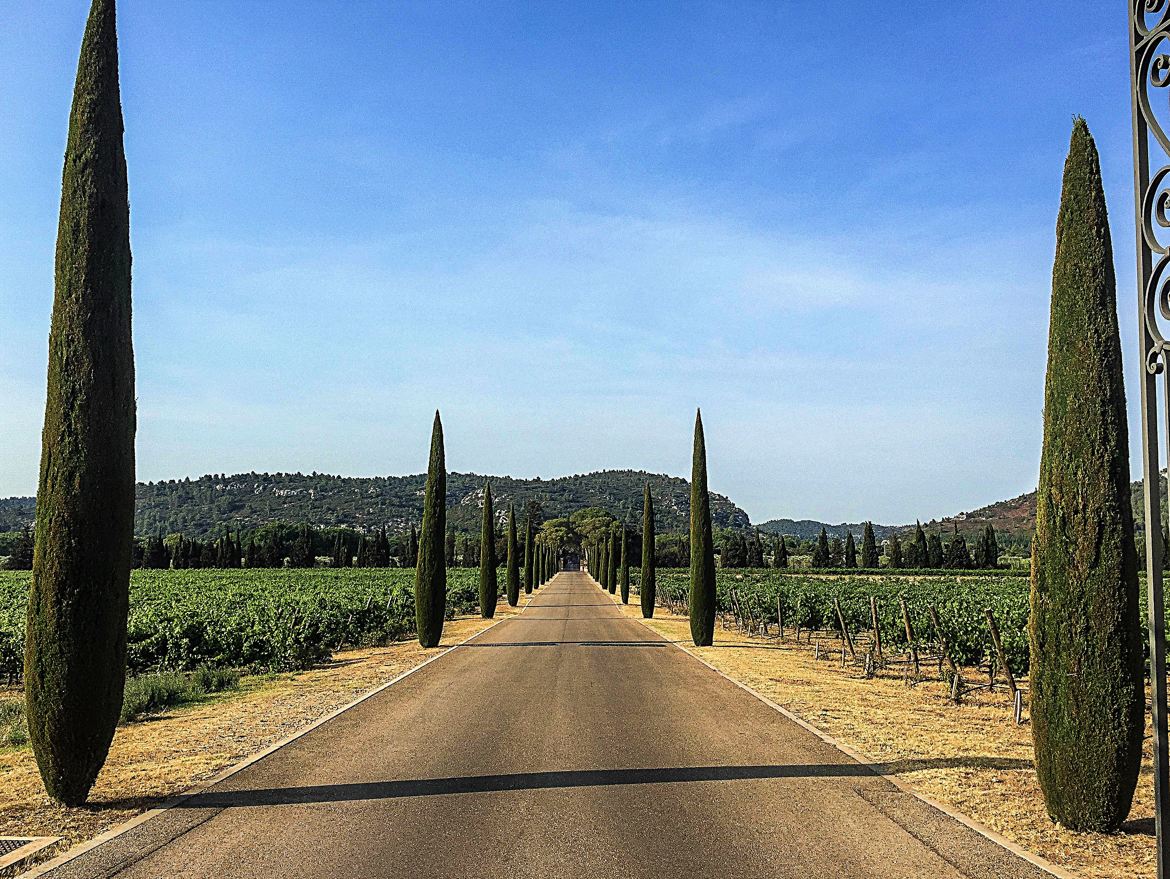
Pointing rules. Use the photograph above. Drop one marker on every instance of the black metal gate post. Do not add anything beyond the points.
(1149, 42)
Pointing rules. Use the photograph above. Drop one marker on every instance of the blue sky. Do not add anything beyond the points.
(568, 224)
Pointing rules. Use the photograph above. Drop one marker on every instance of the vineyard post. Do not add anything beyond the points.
(999, 651)
(910, 636)
(779, 617)
(877, 629)
(956, 681)
(844, 631)
(1149, 66)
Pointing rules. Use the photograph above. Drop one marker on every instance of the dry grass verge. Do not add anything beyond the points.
(970, 757)
(158, 758)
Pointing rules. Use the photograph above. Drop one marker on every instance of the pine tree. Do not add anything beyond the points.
(1087, 660)
(869, 552)
(489, 589)
(75, 647)
(821, 557)
(513, 581)
(702, 591)
(850, 551)
(430, 577)
(625, 581)
(649, 575)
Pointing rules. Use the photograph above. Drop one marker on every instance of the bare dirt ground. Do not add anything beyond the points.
(162, 756)
(970, 757)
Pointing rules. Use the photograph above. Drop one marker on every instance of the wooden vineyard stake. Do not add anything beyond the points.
(779, 617)
(877, 629)
(844, 630)
(910, 636)
(956, 682)
(999, 651)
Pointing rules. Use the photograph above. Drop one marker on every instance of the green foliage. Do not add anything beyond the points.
(489, 586)
(1088, 702)
(896, 561)
(850, 552)
(780, 553)
(807, 600)
(625, 568)
(13, 724)
(151, 693)
(821, 557)
(529, 549)
(958, 557)
(76, 646)
(935, 556)
(430, 582)
(869, 551)
(612, 556)
(648, 579)
(264, 621)
(701, 601)
(513, 574)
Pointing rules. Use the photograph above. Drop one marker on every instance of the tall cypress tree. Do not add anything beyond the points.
(75, 647)
(850, 551)
(958, 556)
(869, 553)
(1088, 698)
(625, 575)
(990, 548)
(820, 557)
(649, 577)
(513, 579)
(529, 536)
(895, 551)
(489, 587)
(780, 558)
(430, 576)
(921, 551)
(614, 554)
(702, 591)
(934, 551)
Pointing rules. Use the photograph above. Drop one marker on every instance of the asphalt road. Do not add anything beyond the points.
(567, 741)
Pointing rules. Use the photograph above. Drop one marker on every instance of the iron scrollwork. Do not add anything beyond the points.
(1151, 65)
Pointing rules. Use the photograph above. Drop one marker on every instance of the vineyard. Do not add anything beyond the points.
(758, 598)
(263, 621)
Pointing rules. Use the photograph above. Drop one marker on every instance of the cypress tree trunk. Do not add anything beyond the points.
(513, 585)
(649, 581)
(1088, 701)
(75, 651)
(430, 575)
(625, 582)
(702, 594)
(489, 588)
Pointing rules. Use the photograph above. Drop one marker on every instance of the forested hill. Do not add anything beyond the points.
(198, 507)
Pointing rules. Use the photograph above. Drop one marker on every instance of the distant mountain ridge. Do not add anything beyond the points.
(198, 507)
